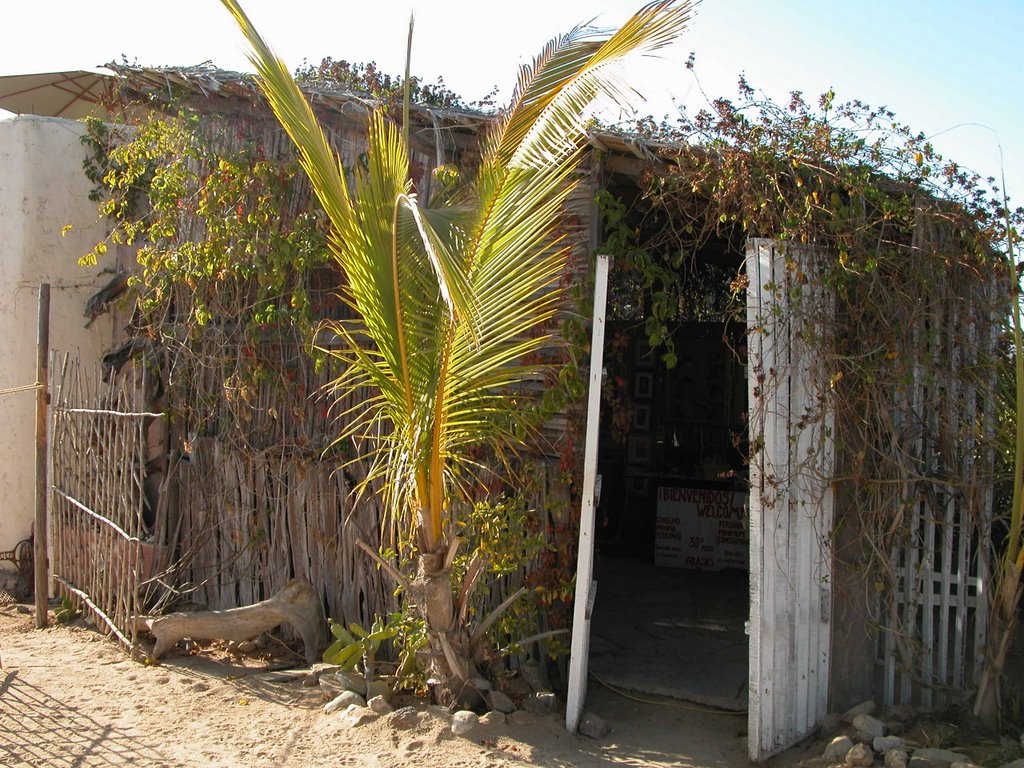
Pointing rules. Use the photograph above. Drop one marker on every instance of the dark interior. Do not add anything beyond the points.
(671, 539)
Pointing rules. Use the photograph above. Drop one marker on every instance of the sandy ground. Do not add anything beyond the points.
(70, 697)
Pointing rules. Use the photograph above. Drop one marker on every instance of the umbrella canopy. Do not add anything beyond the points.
(55, 94)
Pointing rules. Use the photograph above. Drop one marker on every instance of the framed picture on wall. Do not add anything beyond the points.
(642, 417)
(644, 385)
(639, 449)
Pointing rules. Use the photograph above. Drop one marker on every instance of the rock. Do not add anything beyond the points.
(502, 703)
(837, 749)
(593, 726)
(883, 744)
(958, 764)
(543, 703)
(377, 688)
(350, 681)
(403, 719)
(463, 722)
(860, 755)
(320, 668)
(864, 708)
(521, 717)
(868, 728)
(439, 712)
(492, 718)
(482, 684)
(355, 715)
(895, 727)
(896, 758)
(935, 758)
(1015, 763)
(904, 713)
(343, 700)
(832, 723)
(286, 676)
(534, 674)
(380, 705)
(332, 684)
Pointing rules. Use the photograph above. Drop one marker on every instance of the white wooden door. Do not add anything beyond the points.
(586, 587)
(791, 503)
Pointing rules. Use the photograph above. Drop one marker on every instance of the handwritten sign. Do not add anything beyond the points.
(701, 529)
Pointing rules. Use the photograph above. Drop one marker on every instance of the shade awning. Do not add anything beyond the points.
(55, 94)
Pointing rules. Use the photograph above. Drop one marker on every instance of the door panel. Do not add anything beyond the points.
(791, 502)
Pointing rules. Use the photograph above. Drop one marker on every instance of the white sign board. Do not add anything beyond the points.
(701, 529)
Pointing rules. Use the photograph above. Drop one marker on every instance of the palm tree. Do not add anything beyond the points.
(452, 296)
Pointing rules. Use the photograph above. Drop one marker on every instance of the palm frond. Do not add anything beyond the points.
(553, 96)
(454, 302)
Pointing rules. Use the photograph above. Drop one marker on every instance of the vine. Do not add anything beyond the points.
(895, 274)
(229, 260)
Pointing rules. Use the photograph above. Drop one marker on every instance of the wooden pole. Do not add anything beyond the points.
(586, 587)
(39, 554)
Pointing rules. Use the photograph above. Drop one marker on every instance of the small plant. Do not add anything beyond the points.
(67, 611)
(356, 644)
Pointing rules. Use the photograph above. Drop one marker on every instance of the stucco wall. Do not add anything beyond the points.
(42, 189)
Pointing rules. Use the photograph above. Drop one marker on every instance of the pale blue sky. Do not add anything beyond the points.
(937, 64)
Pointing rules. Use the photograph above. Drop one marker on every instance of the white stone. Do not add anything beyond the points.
(883, 744)
(837, 749)
(403, 719)
(593, 726)
(501, 702)
(493, 718)
(861, 755)
(380, 705)
(870, 726)
(542, 703)
(463, 722)
(356, 715)
(377, 688)
(935, 758)
(343, 700)
(864, 708)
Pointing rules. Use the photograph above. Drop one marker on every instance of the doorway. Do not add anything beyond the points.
(671, 537)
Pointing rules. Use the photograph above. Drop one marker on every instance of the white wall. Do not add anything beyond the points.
(42, 189)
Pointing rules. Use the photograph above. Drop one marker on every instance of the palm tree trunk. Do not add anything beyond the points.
(1003, 622)
(451, 670)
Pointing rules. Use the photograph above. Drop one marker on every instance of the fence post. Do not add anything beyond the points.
(39, 555)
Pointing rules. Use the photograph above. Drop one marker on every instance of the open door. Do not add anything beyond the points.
(586, 587)
(791, 503)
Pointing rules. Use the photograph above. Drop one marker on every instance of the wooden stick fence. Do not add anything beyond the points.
(103, 549)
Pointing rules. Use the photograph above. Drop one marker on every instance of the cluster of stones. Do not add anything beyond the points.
(872, 741)
(359, 701)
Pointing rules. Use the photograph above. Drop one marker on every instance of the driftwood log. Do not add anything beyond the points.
(295, 604)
